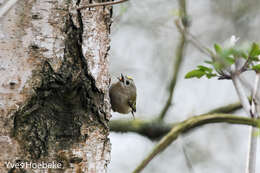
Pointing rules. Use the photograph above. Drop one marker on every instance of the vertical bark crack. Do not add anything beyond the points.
(65, 100)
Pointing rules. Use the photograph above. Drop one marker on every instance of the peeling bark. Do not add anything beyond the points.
(54, 103)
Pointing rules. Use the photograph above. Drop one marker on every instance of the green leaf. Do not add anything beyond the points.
(254, 50)
(217, 48)
(230, 60)
(238, 53)
(244, 55)
(204, 68)
(218, 66)
(210, 75)
(209, 62)
(195, 73)
(254, 58)
(256, 68)
(227, 53)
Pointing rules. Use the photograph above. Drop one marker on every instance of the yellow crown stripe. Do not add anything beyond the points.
(129, 77)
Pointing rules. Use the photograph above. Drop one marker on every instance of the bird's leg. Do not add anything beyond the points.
(133, 114)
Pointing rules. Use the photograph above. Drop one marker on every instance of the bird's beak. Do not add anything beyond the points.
(121, 79)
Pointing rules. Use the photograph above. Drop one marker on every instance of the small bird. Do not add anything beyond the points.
(123, 95)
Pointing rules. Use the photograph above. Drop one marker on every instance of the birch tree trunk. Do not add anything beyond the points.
(54, 104)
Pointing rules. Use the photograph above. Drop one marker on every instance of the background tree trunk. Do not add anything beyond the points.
(54, 80)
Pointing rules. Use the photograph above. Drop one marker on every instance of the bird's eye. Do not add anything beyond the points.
(127, 82)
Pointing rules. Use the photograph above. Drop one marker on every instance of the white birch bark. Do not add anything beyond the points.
(54, 81)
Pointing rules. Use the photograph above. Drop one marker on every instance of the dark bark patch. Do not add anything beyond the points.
(65, 100)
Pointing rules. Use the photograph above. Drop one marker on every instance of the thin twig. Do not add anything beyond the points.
(101, 4)
(186, 156)
(245, 66)
(179, 56)
(226, 109)
(241, 93)
(254, 101)
(189, 124)
(251, 157)
(194, 41)
(247, 85)
(180, 49)
(252, 147)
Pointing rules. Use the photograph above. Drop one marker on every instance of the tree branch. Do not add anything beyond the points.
(179, 56)
(151, 129)
(180, 49)
(194, 41)
(251, 157)
(234, 75)
(154, 129)
(191, 123)
(241, 93)
(102, 4)
(226, 109)
(242, 96)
